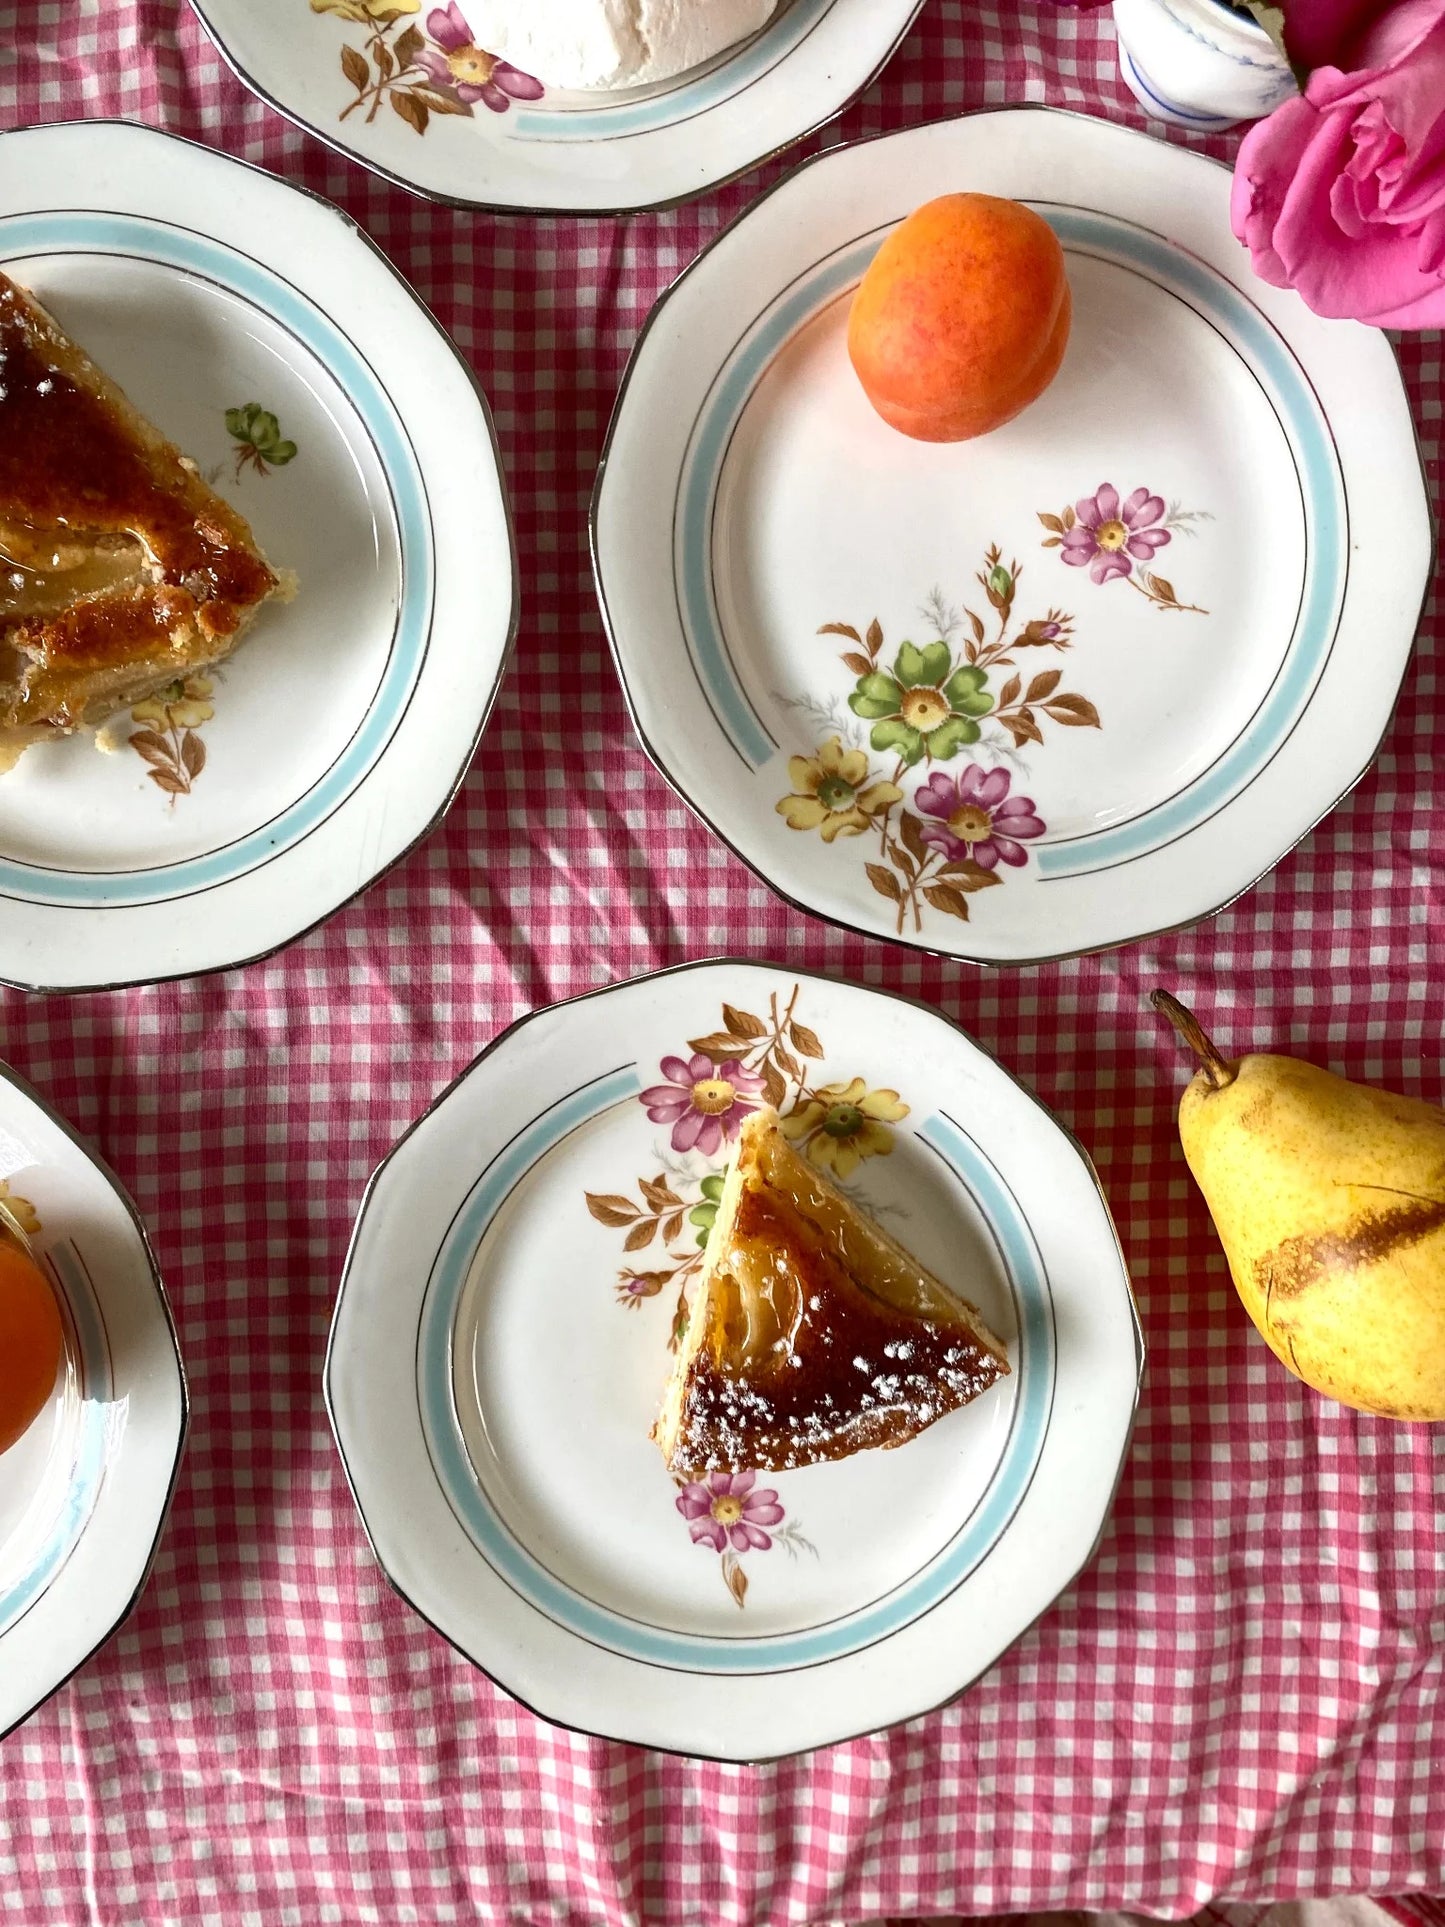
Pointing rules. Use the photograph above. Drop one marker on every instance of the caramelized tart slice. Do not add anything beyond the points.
(812, 1333)
(120, 570)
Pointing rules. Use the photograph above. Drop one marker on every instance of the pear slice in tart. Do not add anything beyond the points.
(120, 569)
(812, 1333)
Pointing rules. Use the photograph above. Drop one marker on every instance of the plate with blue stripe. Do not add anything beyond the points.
(85, 1489)
(1068, 684)
(518, 1282)
(268, 339)
(413, 93)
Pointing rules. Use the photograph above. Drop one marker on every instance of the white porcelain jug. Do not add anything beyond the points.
(1199, 63)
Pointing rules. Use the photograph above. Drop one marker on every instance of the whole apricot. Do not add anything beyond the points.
(962, 317)
(32, 1342)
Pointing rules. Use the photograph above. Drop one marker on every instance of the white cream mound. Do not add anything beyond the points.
(611, 43)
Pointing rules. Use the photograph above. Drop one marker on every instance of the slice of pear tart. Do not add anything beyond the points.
(121, 570)
(812, 1333)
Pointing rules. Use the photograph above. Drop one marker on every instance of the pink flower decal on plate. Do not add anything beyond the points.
(1117, 541)
(727, 1509)
(731, 1515)
(973, 815)
(1109, 532)
(704, 1101)
(476, 75)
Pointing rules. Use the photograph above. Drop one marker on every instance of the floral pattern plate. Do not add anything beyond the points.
(85, 1491)
(402, 87)
(1080, 680)
(517, 1277)
(266, 336)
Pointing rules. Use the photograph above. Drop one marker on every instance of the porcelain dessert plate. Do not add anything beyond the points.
(84, 1492)
(501, 1342)
(262, 332)
(1079, 680)
(402, 88)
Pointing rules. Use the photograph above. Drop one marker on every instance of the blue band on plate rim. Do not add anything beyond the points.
(76, 231)
(1270, 361)
(94, 1441)
(552, 1597)
(684, 101)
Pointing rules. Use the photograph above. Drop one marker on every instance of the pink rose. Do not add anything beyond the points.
(1319, 33)
(1341, 193)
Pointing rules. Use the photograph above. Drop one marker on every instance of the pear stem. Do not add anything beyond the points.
(1216, 1068)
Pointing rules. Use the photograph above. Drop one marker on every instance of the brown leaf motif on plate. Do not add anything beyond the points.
(422, 71)
(169, 741)
(924, 707)
(937, 835)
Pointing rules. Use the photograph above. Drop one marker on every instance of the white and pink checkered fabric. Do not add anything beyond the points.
(1242, 1697)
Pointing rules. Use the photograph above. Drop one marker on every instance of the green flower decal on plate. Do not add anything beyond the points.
(704, 1216)
(258, 433)
(926, 707)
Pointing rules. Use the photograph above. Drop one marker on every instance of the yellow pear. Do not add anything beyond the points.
(1329, 1200)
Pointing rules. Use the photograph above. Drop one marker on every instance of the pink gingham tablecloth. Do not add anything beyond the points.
(1241, 1697)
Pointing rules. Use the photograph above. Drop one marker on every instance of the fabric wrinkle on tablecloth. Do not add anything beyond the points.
(1241, 1696)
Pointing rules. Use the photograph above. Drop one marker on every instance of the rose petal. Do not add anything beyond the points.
(1304, 204)
(675, 1070)
(1011, 852)
(688, 1129)
(1107, 502)
(709, 1138)
(707, 1532)
(1388, 39)
(1320, 31)
(700, 1068)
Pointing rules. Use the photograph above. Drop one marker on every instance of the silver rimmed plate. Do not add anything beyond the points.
(84, 1492)
(403, 89)
(264, 334)
(501, 1341)
(1079, 680)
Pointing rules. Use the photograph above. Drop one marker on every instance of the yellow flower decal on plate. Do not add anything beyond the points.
(832, 792)
(167, 739)
(187, 708)
(842, 1124)
(364, 10)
